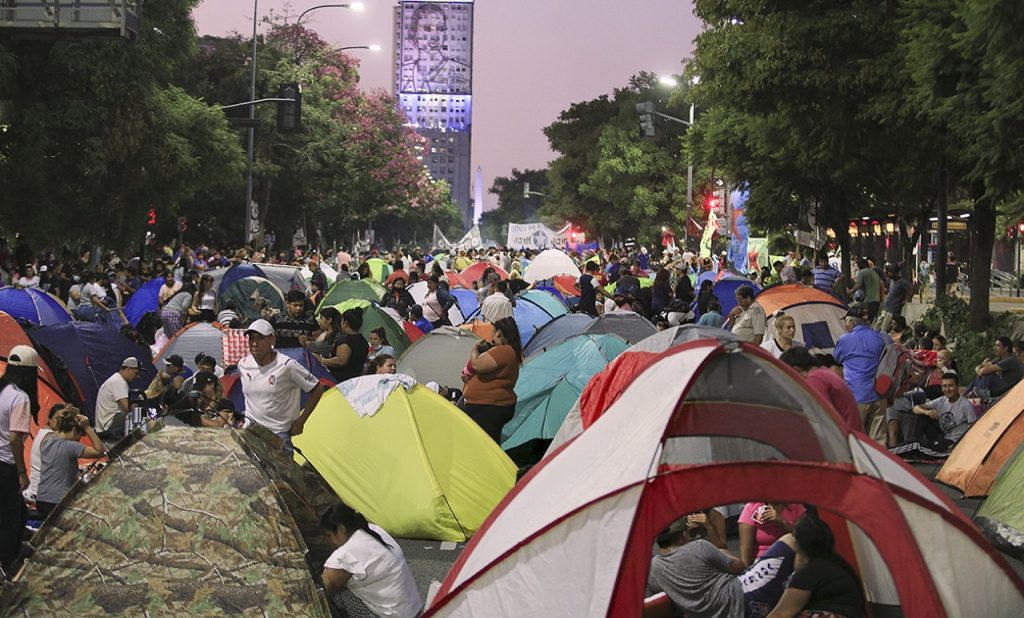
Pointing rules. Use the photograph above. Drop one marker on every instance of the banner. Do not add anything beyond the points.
(440, 241)
(435, 47)
(740, 232)
(536, 236)
(709, 234)
(471, 240)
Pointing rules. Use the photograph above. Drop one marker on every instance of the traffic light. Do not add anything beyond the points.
(182, 224)
(289, 113)
(1020, 228)
(646, 111)
(712, 203)
(151, 216)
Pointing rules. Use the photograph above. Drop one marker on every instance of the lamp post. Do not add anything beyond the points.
(672, 83)
(251, 209)
(373, 48)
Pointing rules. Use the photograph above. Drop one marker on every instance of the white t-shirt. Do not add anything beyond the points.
(381, 578)
(272, 391)
(15, 415)
(29, 282)
(115, 388)
(35, 464)
(89, 291)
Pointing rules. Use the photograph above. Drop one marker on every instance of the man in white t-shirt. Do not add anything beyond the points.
(113, 397)
(271, 384)
(30, 279)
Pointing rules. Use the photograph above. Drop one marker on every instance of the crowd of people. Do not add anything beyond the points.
(785, 564)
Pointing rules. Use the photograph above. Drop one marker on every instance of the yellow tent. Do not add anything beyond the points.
(419, 467)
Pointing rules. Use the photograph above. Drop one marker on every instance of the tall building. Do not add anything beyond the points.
(433, 77)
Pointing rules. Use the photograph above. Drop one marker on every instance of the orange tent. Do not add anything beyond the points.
(11, 334)
(484, 330)
(779, 297)
(978, 456)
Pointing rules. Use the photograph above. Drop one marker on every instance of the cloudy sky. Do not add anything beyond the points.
(531, 58)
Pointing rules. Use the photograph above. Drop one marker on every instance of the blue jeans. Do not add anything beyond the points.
(286, 441)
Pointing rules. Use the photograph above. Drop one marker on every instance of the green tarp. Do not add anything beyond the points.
(1001, 517)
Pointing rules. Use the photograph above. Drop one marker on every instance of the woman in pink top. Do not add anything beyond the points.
(763, 523)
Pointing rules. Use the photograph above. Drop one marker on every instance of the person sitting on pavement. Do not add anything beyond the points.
(699, 578)
(59, 454)
(859, 351)
(941, 422)
(824, 584)
(996, 377)
(204, 405)
(297, 326)
(112, 399)
(367, 574)
(761, 524)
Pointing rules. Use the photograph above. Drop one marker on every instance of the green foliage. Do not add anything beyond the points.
(969, 346)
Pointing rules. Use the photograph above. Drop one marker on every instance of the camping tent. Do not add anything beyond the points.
(631, 326)
(11, 334)
(189, 521)
(367, 289)
(250, 294)
(144, 300)
(374, 317)
(92, 353)
(818, 315)
(546, 301)
(550, 382)
(285, 277)
(529, 317)
(419, 291)
(33, 306)
(439, 356)
(418, 467)
(472, 273)
(455, 280)
(671, 337)
(190, 341)
(557, 331)
(979, 455)
(1001, 517)
(548, 264)
(379, 269)
(467, 301)
(325, 268)
(709, 424)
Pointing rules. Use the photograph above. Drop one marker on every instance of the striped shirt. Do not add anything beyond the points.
(825, 278)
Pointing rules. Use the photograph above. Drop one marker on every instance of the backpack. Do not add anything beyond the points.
(899, 370)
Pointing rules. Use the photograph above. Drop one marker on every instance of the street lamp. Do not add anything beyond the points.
(251, 209)
(671, 82)
(352, 6)
(373, 48)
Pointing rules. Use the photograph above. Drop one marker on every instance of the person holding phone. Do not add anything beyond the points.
(763, 523)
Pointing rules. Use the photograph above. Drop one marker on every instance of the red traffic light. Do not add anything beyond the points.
(151, 214)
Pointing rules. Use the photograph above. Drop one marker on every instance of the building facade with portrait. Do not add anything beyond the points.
(433, 77)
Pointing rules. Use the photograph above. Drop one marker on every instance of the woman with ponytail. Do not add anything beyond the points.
(19, 404)
(59, 453)
(368, 565)
(824, 585)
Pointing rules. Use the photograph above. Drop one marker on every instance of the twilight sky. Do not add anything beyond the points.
(531, 58)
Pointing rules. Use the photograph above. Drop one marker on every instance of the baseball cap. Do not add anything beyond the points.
(262, 327)
(857, 310)
(130, 362)
(176, 360)
(203, 378)
(23, 356)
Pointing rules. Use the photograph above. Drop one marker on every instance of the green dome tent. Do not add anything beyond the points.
(374, 317)
(379, 269)
(250, 293)
(366, 289)
(1001, 517)
(551, 382)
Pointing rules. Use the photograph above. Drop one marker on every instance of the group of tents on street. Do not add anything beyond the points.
(600, 435)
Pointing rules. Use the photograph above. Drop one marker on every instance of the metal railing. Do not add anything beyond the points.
(50, 17)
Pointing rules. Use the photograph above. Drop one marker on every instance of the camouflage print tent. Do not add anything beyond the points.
(183, 521)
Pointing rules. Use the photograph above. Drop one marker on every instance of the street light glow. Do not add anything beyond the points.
(665, 80)
(375, 48)
(358, 6)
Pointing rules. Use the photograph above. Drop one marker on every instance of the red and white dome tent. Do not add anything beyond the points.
(712, 423)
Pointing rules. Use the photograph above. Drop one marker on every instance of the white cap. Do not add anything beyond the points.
(23, 356)
(131, 362)
(262, 327)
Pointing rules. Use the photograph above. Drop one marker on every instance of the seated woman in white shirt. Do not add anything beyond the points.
(369, 564)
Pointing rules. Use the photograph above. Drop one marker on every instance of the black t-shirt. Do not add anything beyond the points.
(356, 360)
(1011, 369)
(832, 588)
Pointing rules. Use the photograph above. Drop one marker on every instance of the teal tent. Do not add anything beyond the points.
(551, 382)
(251, 294)
(546, 301)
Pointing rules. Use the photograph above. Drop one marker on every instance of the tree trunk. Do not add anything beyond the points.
(842, 230)
(264, 188)
(984, 221)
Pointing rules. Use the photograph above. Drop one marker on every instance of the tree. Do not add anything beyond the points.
(97, 133)
(803, 106)
(607, 178)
